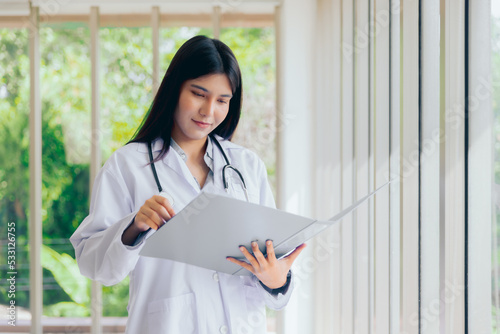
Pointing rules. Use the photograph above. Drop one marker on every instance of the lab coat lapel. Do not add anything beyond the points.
(175, 162)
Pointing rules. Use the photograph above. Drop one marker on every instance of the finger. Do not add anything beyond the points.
(152, 215)
(271, 256)
(154, 225)
(165, 203)
(143, 219)
(140, 222)
(250, 257)
(258, 254)
(160, 210)
(293, 255)
(241, 263)
(159, 207)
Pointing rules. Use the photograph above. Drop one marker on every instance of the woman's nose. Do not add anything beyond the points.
(207, 108)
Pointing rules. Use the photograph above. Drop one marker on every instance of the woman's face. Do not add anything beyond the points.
(203, 105)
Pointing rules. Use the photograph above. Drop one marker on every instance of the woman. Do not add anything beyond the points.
(197, 104)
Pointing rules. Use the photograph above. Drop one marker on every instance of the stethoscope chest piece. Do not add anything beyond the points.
(168, 197)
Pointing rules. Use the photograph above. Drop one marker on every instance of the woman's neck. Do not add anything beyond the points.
(194, 149)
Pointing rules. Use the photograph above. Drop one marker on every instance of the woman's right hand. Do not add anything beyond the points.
(153, 214)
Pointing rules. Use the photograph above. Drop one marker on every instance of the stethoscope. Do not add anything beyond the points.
(224, 175)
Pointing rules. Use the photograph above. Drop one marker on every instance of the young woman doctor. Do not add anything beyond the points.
(200, 96)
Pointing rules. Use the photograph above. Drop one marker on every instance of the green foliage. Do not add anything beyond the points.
(64, 269)
(115, 299)
(171, 40)
(67, 275)
(14, 151)
(126, 83)
(66, 309)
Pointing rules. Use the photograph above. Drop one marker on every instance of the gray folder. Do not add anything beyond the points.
(212, 227)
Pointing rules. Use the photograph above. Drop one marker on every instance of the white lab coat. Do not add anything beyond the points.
(167, 296)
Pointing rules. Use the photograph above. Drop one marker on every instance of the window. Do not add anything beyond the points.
(14, 170)
(65, 94)
(126, 93)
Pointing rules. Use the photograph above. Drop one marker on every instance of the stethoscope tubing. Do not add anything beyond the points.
(224, 179)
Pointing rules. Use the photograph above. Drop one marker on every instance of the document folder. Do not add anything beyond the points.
(212, 227)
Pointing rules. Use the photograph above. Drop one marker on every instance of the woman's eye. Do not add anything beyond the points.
(223, 101)
(198, 94)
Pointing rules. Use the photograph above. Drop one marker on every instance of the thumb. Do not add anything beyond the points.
(291, 258)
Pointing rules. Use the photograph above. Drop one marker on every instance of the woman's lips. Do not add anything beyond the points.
(202, 125)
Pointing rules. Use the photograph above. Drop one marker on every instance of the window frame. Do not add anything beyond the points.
(480, 168)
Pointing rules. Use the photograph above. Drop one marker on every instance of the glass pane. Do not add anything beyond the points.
(255, 50)
(65, 93)
(171, 40)
(126, 65)
(495, 64)
(14, 174)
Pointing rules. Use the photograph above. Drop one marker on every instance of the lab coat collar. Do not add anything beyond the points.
(157, 146)
(226, 144)
(175, 162)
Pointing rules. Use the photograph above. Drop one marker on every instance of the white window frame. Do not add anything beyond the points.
(348, 173)
(452, 287)
(95, 151)
(480, 168)
(35, 217)
(381, 164)
(409, 172)
(361, 219)
(430, 167)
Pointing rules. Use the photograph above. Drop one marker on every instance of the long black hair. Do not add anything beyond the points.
(197, 57)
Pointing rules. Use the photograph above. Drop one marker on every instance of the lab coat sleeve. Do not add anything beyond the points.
(276, 301)
(273, 301)
(100, 253)
(266, 194)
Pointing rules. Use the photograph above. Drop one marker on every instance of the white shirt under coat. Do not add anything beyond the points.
(168, 296)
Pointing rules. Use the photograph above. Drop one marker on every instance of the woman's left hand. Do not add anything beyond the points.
(270, 271)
